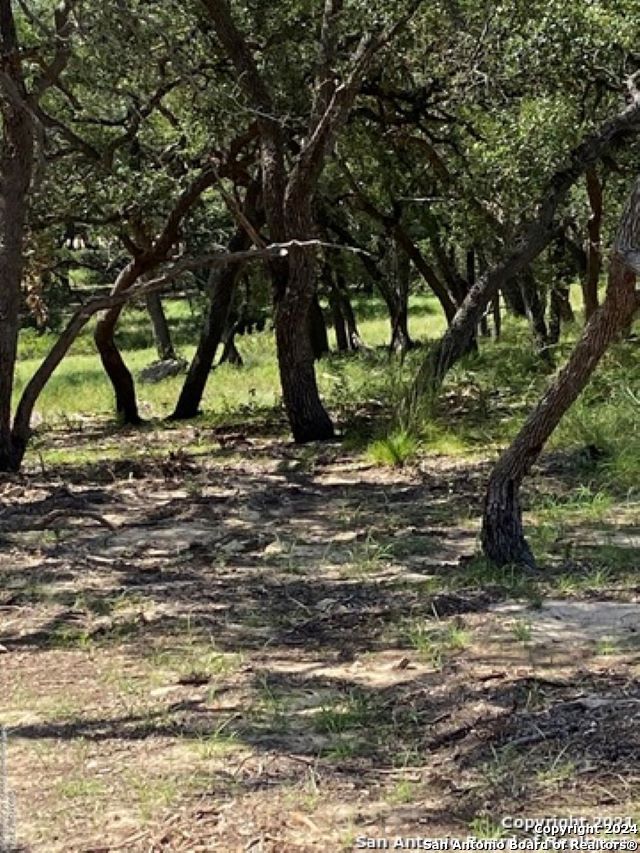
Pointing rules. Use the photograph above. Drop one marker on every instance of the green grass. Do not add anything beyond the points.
(435, 643)
(481, 408)
(395, 450)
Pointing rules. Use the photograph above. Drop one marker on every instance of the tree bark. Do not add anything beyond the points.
(401, 271)
(161, 332)
(230, 352)
(503, 539)
(594, 253)
(16, 171)
(112, 361)
(497, 317)
(294, 295)
(335, 302)
(318, 330)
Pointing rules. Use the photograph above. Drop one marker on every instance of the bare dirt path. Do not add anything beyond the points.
(269, 648)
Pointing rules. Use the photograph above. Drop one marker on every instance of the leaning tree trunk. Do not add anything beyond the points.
(222, 285)
(503, 539)
(16, 168)
(594, 254)
(230, 352)
(112, 361)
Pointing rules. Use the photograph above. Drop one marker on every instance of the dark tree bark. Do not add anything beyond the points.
(497, 317)
(337, 314)
(560, 310)
(318, 330)
(16, 169)
(513, 298)
(503, 539)
(594, 252)
(161, 332)
(401, 273)
(457, 286)
(230, 352)
(534, 237)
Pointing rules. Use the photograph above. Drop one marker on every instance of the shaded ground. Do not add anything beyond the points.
(232, 644)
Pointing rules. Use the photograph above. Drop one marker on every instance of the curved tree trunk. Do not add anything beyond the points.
(503, 539)
(230, 352)
(112, 361)
(222, 285)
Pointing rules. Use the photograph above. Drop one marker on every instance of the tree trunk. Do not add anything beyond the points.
(513, 298)
(503, 539)
(339, 322)
(307, 417)
(161, 333)
(560, 310)
(112, 361)
(144, 261)
(222, 285)
(594, 252)
(16, 169)
(401, 271)
(230, 353)
(497, 317)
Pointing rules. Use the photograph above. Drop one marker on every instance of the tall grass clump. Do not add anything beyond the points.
(393, 450)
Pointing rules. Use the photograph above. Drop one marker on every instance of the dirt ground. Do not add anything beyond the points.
(268, 648)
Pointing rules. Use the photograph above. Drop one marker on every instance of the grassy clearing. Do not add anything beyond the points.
(480, 410)
(321, 655)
